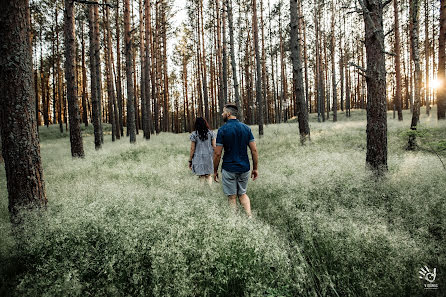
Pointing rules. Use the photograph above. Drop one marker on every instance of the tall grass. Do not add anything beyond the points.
(132, 219)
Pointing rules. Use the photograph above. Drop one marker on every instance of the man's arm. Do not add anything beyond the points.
(217, 156)
(255, 159)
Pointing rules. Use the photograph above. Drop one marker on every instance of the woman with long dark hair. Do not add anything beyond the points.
(202, 150)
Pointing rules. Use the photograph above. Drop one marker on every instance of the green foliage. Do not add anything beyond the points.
(131, 220)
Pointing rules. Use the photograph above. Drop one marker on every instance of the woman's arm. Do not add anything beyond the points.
(192, 151)
(214, 143)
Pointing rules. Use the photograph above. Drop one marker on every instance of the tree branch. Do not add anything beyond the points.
(390, 31)
(390, 54)
(94, 3)
(386, 3)
(364, 71)
(366, 13)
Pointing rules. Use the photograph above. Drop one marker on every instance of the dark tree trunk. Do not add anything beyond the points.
(426, 55)
(109, 73)
(84, 81)
(225, 60)
(128, 69)
(118, 71)
(259, 95)
(97, 60)
(333, 65)
(302, 114)
(94, 90)
(20, 140)
(441, 93)
(77, 147)
(376, 156)
(398, 97)
(147, 72)
(414, 44)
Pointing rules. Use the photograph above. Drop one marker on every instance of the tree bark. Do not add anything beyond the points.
(94, 90)
(414, 44)
(109, 74)
(333, 64)
(398, 97)
(84, 81)
(118, 71)
(376, 156)
(204, 73)
(20, 140)
(259, 95)
(147, 72)
(302, 114)
(142, 58)
(426, 55)
(77, 147)
(97, 54)
(128, 70)
(441, 92)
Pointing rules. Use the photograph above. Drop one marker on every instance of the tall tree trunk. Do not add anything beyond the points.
(147, 72)
(376, 156)
(221, 99)
(426, 55)
(341, 73)
(94, 90)
(109, 73)
(77, 147)
(118, 72)
(233, 62)
(284, 91)
(441, 92)
(204, 73)
(20, 140)
(97, 55)
(152, 78)
(347, 90)
(333, 64)
(59, 83)
(53, 65)
(398, 97)
(265, 83)
(302, 114)
(128, 69)
(307, 94)
(258, 65)
(142, 58)
(36, 89)
(166, 73)
(84, 80)
(274, 114)
(414, 44)
(225, 60)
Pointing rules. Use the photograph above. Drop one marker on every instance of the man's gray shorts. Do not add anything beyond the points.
(234, 183)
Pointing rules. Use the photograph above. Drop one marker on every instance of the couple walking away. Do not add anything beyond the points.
(234, 138)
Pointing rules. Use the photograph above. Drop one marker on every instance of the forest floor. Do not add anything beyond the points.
(132, 220)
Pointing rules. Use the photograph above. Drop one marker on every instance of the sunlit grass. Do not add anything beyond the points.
(131, 219)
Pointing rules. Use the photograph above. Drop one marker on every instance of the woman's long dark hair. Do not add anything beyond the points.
(202, 128)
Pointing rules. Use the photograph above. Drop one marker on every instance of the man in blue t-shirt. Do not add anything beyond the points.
(235, 137)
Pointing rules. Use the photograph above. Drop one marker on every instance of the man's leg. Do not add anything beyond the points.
(229, 183)
(246, 203)
(232, 199)
(242, 186)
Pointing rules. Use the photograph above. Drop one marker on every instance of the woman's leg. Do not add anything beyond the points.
(207, 178)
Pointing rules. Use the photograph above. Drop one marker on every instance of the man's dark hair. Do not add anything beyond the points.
(232, 108)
